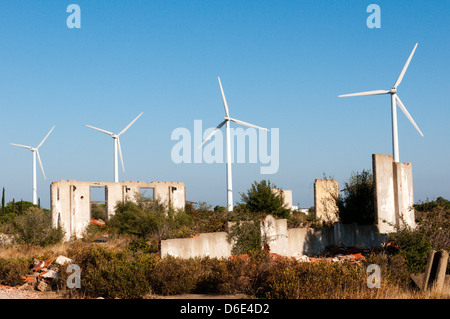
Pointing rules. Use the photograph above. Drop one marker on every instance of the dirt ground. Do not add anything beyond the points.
(27, 292)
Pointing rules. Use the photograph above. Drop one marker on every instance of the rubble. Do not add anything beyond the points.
(61, 260)
(45, 273)
(99, 222)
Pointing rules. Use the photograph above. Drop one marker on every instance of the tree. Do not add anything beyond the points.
(3, 201)
(34, 227)
(357, 203)
(262, 198)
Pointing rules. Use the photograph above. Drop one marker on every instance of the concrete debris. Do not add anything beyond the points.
(43, 286)
(62, 260)
(99, 222)
(102, 239)
(6, 239)
(45, 273)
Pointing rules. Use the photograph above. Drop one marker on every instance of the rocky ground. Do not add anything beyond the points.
(25, 292)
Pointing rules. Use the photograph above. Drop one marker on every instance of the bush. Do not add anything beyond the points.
(112, 273)
(173, 276)
(11, 270)
(431, 232)
(356, 205)
(294, 280)
(245, 236)
(34, 227)
(262, 199)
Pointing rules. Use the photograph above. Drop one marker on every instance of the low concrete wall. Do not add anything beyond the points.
(214, 245)
(285, 242)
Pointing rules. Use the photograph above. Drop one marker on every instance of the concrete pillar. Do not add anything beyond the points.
(404, 195)
(394, 196)
(440, 271)
(383, 176)
(326, 191)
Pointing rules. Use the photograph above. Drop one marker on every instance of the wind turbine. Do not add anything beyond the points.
(117, 146)
(227, 122)
(35, 151)
(394, 100)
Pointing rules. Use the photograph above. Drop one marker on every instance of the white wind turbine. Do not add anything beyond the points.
(227, 122)
(35, 151)
(394, 100)
(117, 146)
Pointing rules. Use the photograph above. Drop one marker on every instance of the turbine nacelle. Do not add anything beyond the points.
(35, 151)
(226, 120)
(117, 147)
(395, 100)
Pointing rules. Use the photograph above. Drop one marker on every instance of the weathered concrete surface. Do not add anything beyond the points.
(214, 245)
(287, 197)
(394, 198)
(383, 176)
(326, 191)
(71, 200)
(352, 235)
(274, 233)
(292, 242)
(403, 190)
(434, 278)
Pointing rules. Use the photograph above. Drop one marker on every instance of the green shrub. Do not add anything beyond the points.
(245, 236)
(34, 227)
(113, 273)
(356, 204)
(431, 232)
(11, 270)
(173, 276)
(262, 199)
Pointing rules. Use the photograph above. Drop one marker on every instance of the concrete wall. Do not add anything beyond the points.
(394, 197)
(325, 192)
(292, 242)
(403, 183)
(287, 196)
(214, 245)
(71, 200)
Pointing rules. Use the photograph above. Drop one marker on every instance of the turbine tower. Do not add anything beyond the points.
(227, 122)
(35, 151)
(117, 146)
(394, 100)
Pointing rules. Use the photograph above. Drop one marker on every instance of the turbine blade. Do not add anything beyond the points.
(399, 102)
(45, 137)
(40, 163)
(99, 129)
(120, 154)
(24, 146)
(402, 74)
(213, 132)
(128, 126)
(376, 92)
(248, 124)
(225, 105)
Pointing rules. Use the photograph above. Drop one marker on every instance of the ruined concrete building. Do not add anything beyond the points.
(71, 200)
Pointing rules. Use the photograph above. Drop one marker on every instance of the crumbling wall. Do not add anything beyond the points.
(326, 191)
(71, 200)
(294, 242)
(214, 245)
(287, 197)
(394, 198)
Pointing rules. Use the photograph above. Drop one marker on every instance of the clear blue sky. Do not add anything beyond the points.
(282, 65)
